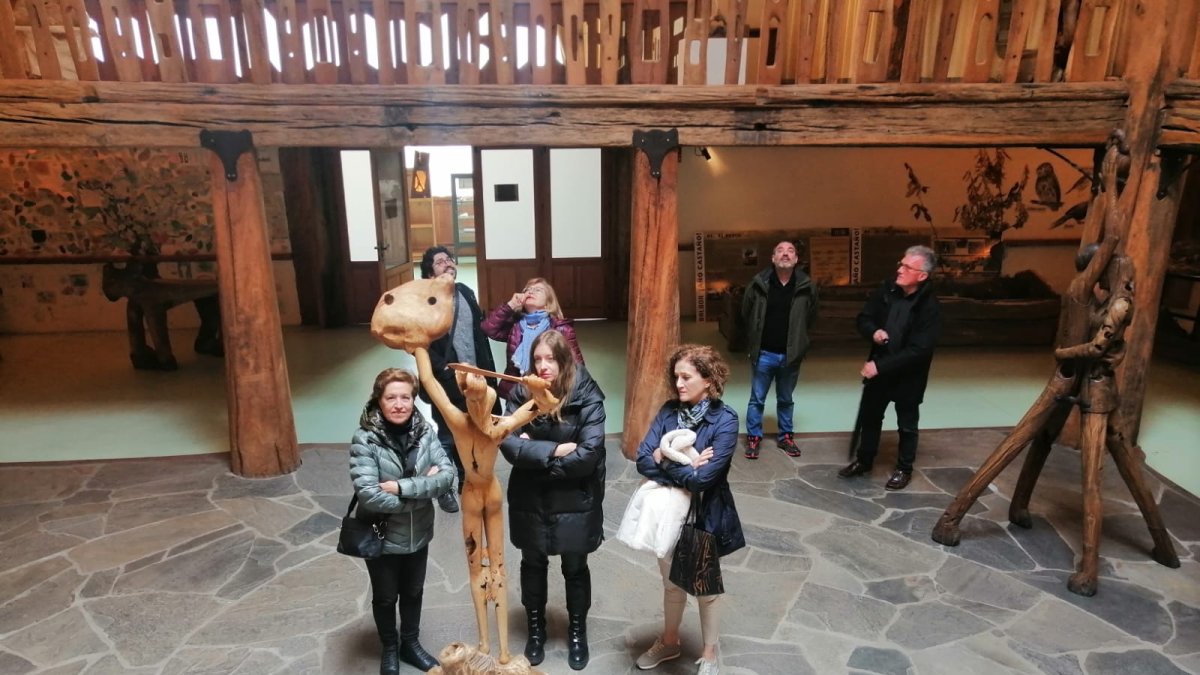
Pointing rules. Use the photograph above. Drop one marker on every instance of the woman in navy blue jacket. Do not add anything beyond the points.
(697, 376)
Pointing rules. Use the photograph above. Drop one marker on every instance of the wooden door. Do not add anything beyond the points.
(541, 212)
(387, 167)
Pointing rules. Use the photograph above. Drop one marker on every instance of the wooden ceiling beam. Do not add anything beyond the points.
(89, 114)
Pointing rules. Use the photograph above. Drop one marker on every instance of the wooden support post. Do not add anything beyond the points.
(653, 282)
(1151, 213)
(262, 430)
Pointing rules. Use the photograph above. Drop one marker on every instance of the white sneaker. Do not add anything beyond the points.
(708, 667)
(658, 653)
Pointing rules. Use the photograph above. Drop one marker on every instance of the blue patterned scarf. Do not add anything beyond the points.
(689, 417)
(532, 325)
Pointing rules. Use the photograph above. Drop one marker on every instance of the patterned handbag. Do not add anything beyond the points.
(695, 564)
(361, 538)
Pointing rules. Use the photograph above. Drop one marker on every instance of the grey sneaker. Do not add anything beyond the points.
(708, 667)
(449, 502)
(658, 653)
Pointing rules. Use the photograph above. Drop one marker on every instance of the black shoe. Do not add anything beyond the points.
(389, 663)
(899, 480)
(535, 643)
(449, 502)
(577, 647)
(855, 468)
(752, 444)
(412, 653)
(788, 445)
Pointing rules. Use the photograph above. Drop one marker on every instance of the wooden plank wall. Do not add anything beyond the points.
(546, 42)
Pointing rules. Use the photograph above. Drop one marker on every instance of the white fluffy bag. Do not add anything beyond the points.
(656, 512)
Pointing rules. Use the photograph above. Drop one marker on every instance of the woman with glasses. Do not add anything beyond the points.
(517, 322)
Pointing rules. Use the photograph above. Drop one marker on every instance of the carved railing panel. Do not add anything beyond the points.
(549, 42)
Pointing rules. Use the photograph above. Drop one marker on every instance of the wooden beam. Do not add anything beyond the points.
(1151, 216)
(89, 114)
(262, 429)
(653, 295)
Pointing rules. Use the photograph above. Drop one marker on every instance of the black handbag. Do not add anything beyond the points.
(695, 564)
(361, 538)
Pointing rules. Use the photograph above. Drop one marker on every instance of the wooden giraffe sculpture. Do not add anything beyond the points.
(1096, 310)
(410, 317)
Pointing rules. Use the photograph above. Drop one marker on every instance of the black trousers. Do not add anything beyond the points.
(577, 579)
(398, 580)
(875, 399)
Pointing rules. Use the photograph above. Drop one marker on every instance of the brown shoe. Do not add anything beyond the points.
(855, 468)
(899, 480)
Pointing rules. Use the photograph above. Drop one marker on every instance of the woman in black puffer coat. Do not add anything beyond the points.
(398, 468)
(556, 492)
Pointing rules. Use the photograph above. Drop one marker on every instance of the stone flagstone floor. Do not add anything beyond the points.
(177, 566)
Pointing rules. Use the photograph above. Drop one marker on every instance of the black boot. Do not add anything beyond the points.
(412, 653)
(577, 646)
(389, 662)
(534, 644)
(385, 623)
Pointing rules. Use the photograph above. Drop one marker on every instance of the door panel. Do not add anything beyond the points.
(540, 213)
(388, 169)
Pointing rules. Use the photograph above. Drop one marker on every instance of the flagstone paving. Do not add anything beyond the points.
(177, 566)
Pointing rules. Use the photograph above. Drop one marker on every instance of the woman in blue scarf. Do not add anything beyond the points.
(696, 375)
(529, 313)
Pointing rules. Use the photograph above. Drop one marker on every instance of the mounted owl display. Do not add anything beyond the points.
(1049, 193)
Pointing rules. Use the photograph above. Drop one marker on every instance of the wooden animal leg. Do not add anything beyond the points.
(472, 515)
(156, 320)
(1035, 459)
(1091, 442)
(497, 576)
(140, 353)
(946, 531)
(1130, 466)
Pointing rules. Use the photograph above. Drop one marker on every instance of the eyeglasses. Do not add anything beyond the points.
(442, 260)
(908, 267)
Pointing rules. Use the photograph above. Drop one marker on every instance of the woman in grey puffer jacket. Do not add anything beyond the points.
(398, 468)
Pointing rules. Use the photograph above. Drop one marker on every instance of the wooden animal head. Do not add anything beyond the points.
(414, 314)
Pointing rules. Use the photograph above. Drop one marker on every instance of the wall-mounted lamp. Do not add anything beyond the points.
(703, 152)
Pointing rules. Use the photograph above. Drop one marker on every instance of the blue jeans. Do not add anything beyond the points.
(771, 367)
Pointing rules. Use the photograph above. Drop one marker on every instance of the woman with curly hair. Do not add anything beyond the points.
(697, 376)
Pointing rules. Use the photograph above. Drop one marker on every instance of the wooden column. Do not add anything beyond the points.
(653, 283)
(262, 430)
(1151, 214)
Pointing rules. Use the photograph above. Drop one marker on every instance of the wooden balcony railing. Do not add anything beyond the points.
(546, 42)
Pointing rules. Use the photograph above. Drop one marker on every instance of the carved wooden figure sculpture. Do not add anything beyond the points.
(1091, 344)
(149, 298)
(410, 317)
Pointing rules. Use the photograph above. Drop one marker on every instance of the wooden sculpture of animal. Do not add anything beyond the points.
(148, 299)
(410, 317)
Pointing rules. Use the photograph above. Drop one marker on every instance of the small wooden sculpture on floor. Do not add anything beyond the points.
(460, 659)
(1096, 310)
(410, 317)
(149, 298)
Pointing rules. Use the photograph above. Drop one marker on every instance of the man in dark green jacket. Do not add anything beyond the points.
(777, 308)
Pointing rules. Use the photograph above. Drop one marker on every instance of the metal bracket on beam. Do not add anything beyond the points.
(656, 143)
(1172, 165)
(229, 146)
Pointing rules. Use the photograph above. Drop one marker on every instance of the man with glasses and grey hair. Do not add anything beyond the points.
(902, 320)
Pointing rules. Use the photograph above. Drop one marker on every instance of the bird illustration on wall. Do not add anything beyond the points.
(1072, 216)
(1049, 192)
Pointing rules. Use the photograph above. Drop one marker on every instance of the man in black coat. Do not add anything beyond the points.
(465, 343)
(902, 320)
